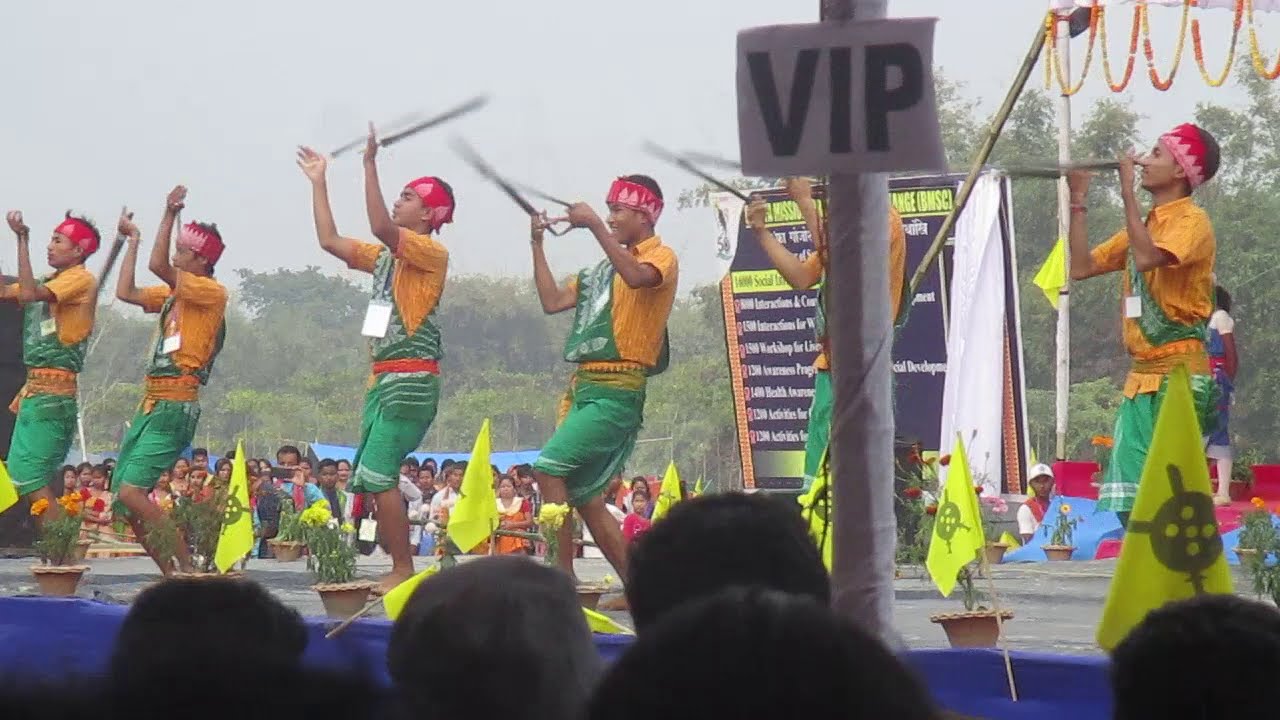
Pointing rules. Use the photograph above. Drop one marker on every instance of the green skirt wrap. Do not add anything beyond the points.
(398, 411)
(1135, 424)
(597, 434)
(42, 436)
(815, 445)
(154, 441)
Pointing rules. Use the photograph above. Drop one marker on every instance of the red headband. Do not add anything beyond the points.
(436, 198)
(201, 242)
(80, 233)
(636, 197)
(1186, 145)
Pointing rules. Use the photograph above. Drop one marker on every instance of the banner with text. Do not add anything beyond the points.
(771, 343)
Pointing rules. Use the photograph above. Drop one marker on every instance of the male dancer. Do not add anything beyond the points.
(58, 313)
(408, 267)
(618, 340)
(1167, 291)
(192, 307)
(804, 274)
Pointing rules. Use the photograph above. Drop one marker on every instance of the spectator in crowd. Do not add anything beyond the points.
(251, 467)
(300, 493)
(447, 496)
(289, 456)
(1031, 513)
(820, 666)
(266, 511)
(111, 467)
(223, 470)
(429, 465)
(514, 513)
(96, 518)
(409, 469)
(308, 472)
(178, 477)
(162, 493)
(1235, 644)
(344, 474)
(636, 521)
(426, 483)
(200, 459)
(504, 617)
(328, 482)
(709, 543)
(84, 474)
(639, 483)
(412, 496)
(70, 478)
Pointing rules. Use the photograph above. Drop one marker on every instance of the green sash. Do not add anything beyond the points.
(47, 351)
(591, 337)
(1155, 325)
(162, 364)
(404, 396)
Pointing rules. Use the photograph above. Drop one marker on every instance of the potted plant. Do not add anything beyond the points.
(551, 518)
(993, 510)
(199, 521)
(915, 478)
(1257, 533)
(332, 557)
(978, 626)
(288, 543)
(1064, 529)
(56, 545)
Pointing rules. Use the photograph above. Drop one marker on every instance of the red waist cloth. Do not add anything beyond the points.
(406, 366)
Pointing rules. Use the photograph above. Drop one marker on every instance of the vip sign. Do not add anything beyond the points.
(838, 97)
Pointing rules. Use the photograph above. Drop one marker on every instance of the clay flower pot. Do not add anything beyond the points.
(58, 580)
(972, 629)
(1058, 552)
(589, 596)
(287, 550)
(342, 600)
(995, 552)
(179, 575)
(1247, 555)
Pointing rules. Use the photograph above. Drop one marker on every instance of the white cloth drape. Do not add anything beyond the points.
(973, 394)
(728, 209)
(1259, 5)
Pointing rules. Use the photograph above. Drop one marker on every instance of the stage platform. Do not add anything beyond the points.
(1060, 672)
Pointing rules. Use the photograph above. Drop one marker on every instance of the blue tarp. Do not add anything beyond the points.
(1094, 527)
(54, 638)
(503, 460)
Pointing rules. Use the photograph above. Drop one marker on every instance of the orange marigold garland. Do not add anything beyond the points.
(1259, 63)
(1106, 56)
(39, 507)
(1198, 47)
(1051, 39)
(1156, 80)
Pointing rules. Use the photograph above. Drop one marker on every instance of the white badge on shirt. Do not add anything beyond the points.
(368, 530)
(1133, 307)
(48, 326)
(171, 344)
(376, 319)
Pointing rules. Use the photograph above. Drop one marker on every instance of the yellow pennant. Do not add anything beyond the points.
(394, 601)
(235, 540)
(475, 517)
(816, 509)
(668, 493)
(8, 491)
(1053, 273)
(957, 527)
(1172, 548)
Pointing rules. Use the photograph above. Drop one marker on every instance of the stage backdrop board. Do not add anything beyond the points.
(771, 346)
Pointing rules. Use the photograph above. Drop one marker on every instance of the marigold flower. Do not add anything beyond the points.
(552, 515)
(1102, 441)
(1064, 509)
(348, 528)
(1258, 502)
(39, 507)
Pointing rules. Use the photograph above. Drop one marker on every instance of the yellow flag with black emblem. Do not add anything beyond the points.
(1172, 548)
(235, 540)
(957, 526)
(816, 509)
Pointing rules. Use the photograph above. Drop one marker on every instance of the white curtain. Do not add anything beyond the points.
(1259, 5)
(973, 395)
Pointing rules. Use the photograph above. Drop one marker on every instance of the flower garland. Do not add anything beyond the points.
(1106, 56)
(1051, 42)
(1156, 81)
(1259, 63)
(1231, 53)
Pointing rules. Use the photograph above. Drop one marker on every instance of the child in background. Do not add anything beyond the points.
(637, 521)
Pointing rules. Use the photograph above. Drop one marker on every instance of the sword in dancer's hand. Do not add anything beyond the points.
(689, 167)
(465, 108)
(472, 158)
(116, 246)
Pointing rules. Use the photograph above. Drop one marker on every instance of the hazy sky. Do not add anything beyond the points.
(113, 103)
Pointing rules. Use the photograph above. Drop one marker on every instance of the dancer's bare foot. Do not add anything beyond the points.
(388, 582)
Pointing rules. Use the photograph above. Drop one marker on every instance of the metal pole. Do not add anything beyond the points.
(860, 337)
(1062, 378)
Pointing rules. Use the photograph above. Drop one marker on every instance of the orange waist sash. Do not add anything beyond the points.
(45, 381)
(183, 388)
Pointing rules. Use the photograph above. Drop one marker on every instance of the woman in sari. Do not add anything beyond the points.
(514, 514)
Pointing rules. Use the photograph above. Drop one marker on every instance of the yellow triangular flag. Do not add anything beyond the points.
(8, 491)
(1172, 547)
(816, 509)
(957, 526)
(668, 494)
(600, 623)
(235, 540)
(475, 517)
(394, 601)
(1053, 273)
(697, 486)
(1008, 538)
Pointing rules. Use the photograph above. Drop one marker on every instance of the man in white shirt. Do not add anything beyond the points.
(1032, 512)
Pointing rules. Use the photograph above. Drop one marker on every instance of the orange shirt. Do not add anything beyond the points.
(640, 314)
(418, 281)
(816, 262)
(199, 308)
(1183, 290)
(75, 293)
